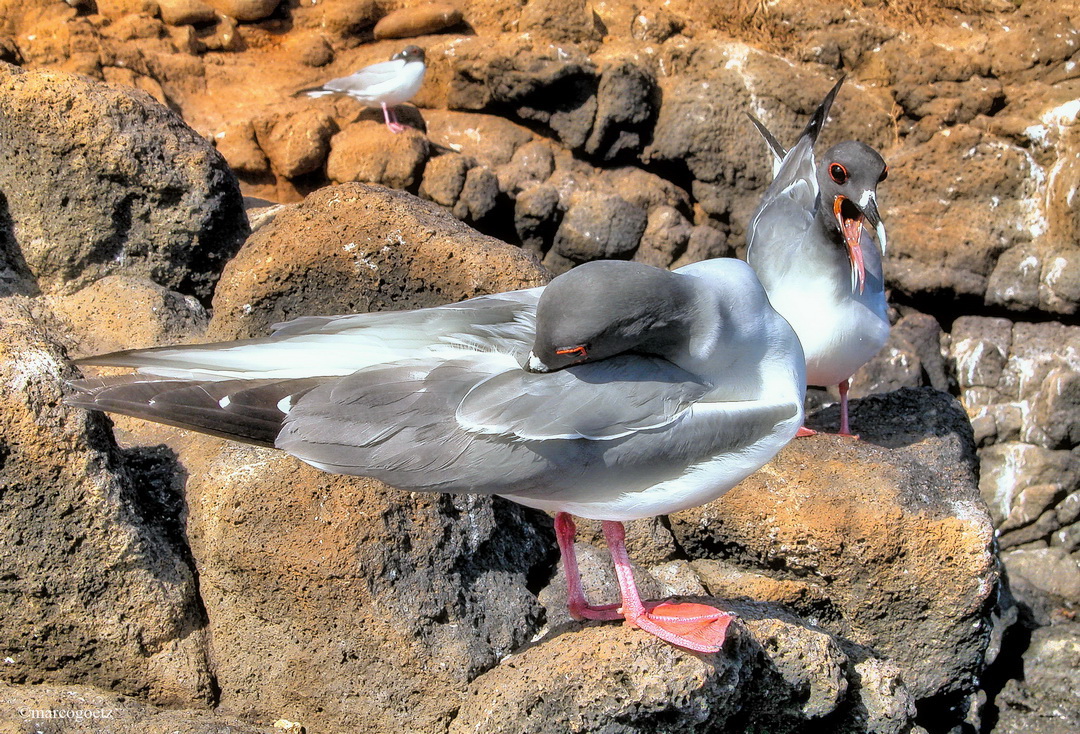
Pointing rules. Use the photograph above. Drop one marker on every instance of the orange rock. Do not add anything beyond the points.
(418, 20)
(368, 151)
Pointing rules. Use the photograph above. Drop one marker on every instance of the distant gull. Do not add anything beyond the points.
(386, 83)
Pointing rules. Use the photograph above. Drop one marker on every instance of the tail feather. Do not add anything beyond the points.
(250, 411)
(817, 121)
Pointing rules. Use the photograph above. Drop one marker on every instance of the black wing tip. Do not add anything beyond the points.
(821, 114)
(770, 139)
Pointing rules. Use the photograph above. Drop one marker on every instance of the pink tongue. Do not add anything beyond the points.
(853, 234)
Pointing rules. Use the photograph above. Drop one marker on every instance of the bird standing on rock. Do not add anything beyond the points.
(386, 83)
(618, 391)
(808, 244)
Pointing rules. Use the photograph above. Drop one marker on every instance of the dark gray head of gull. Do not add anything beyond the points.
(847, 183)
(604, 308)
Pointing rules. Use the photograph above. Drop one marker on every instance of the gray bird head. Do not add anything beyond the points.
(848, 176)
(607, 307)
(409, 53)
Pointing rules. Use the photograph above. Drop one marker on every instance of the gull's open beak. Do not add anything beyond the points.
(851, 217)
(850, 220)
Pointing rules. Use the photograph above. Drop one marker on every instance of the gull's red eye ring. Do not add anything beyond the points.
(884, 175)
(838, 173)
(579, 351)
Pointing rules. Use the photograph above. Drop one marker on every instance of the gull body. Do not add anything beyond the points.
(618, 391)
(809, 245)
(386, 84)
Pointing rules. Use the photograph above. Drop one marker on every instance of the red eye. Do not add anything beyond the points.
(837, 173)
(884, 175)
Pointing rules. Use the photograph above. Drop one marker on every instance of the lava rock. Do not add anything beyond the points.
(100, 180)
(417, 20)
(598, 225)
(893, 522)
(98, 588)
(355, 248)
(296, 142)
(369, 152)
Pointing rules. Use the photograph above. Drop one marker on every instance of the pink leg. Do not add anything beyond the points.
(845, 428)
(692, 626)
(575, 594)
(391, 119)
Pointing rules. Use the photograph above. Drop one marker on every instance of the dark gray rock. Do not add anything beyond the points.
(95, 582)
(1046, 699)
(599, 225)
(626, 107)
(101, 179)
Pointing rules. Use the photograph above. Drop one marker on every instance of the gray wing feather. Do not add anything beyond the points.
(602, 400)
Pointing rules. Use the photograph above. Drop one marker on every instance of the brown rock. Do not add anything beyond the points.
(119, 8)
(39, 707)
(97, 586)
(118, 312)
(599, 226)
(369, 152)
(488, 139)
(444, 178)
(185, 12)
(100, 179)
(237, 143)
(245, 10)
(417, 20)
(562, 21)
(297, 142)
(665, 237)
(891, 536)
(479, 195)
(346, 602)
(341, 18)
(354, 248)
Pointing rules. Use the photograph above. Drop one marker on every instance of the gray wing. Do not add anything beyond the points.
(367, 79)
(601, 400)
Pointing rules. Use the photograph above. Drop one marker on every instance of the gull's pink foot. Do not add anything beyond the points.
(695, 627)
(803, 432)
(396, 127)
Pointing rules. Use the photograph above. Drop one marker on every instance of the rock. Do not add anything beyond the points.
(1051, 571)
(665, 237)
(773, 673)
(369, 152)
(310, 49)
(535, 81)
(487, 139)
(417, 20)
(355, 248)
(237, 144)
(100, 179)
(1007, 469)
(1031, 503)
(245, 10)
(705, 242)
(116, 9)
(534, 216)
(479, 195)
(444, 178)
(893, 522)
(561, 21)
(627, 101)
(312, 600)
(296, 142)
(1045, 700)
(341, 18)
(185, 12)
(97, 583)
(118, 312)
(599, 226)
(87, 710)
(531, 164)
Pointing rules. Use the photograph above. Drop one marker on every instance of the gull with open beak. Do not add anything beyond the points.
(808, 242)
